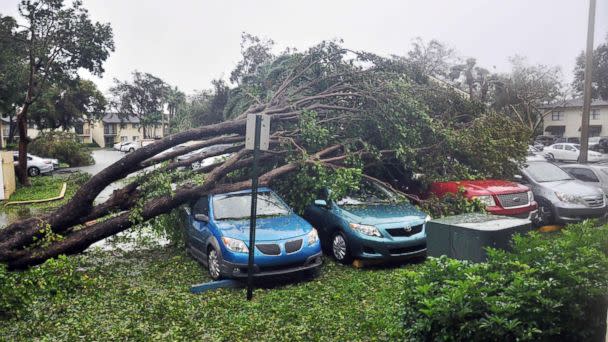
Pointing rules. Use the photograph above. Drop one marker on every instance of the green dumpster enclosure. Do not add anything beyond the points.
(465, 237)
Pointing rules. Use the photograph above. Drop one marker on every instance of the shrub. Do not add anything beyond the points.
(62, 146)
(547, 288)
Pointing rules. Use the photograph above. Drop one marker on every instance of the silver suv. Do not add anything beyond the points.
(561, 198)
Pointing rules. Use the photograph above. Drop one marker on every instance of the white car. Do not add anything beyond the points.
(36, 165)
(117, 146)
(570, 152)
(130, 146)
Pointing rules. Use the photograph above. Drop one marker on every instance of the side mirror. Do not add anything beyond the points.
(325, 194)
(321, 203)
(201, 217)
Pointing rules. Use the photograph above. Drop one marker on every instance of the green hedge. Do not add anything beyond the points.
(62, 146)
(549, 288)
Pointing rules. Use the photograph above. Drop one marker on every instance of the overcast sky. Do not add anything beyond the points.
(190, 42)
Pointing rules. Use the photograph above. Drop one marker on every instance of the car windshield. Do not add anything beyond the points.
(546, 172)
(238, 206)
(369, 193)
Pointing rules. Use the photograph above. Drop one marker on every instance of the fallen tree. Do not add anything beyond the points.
(329, 107)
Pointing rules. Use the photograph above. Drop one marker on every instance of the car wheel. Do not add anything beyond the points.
(545, 213)
(33, 171)
(131, 150)
(339, 248)
(213, 264)
(551, 156)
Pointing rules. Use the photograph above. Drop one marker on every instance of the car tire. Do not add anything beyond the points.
(340, 249)
(545, 213)
(551, 156)
(33, 171)
(214, 261)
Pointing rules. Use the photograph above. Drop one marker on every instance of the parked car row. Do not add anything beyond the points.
(373, 222)
(571, 152)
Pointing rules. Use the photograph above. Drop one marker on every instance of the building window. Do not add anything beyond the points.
(109, 129)
(124, 138)
(595, 114)
(136, 126)
(557, 116)
(123, 125)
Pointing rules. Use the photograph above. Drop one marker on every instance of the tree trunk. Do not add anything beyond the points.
(23, 142)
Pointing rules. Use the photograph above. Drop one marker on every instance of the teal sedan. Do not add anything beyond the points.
(372, 222)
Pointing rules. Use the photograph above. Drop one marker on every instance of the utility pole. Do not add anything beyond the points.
(582, 157)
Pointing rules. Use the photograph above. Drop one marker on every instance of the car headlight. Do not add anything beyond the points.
(427, 218)
(530, 197)
(488, 201)
(365, 229)
(569, 198)
(313, 237)
(235, 245)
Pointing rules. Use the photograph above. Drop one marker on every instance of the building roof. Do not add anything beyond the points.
(117, 118)
(575, 103)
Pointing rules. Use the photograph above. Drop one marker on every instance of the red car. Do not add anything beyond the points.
(500, 197)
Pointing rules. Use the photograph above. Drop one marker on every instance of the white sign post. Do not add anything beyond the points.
(264, 132)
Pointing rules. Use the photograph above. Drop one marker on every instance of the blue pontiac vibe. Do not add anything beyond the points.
(217, 235)
(372, 222)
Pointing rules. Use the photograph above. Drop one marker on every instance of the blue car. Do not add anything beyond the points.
(217, 235)
(372, 222)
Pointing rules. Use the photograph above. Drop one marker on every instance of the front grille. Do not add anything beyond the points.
(407, 231)
(404, 250)
(293, 246)
(595, 201)
(269, 248)
(513, 200)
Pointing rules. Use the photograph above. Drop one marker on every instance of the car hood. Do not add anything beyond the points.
(491, 186)
(573, 187)
(382, 213)
(267, 228)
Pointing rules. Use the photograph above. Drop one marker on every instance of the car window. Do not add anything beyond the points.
(569, 148)
(201, 206)
(546, 172)
(368, 193)
(585, 175)
(238, 206)
(558, 147)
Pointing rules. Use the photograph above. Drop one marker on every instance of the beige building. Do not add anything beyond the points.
(112, 129)
(106, 132)
(564, 120)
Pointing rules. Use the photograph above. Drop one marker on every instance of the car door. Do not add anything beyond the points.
(570, 153)
(556, 150)
(199, 230)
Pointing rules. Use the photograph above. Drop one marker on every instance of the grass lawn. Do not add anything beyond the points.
(144, 295)
(42, 187)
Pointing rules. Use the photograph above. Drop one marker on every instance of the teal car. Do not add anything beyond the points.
(372, 222)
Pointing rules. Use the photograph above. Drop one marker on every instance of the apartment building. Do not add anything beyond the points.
(107, 131)
(564, 119)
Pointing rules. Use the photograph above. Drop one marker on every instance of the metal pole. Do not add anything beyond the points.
(582, 158)
(254, 204)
